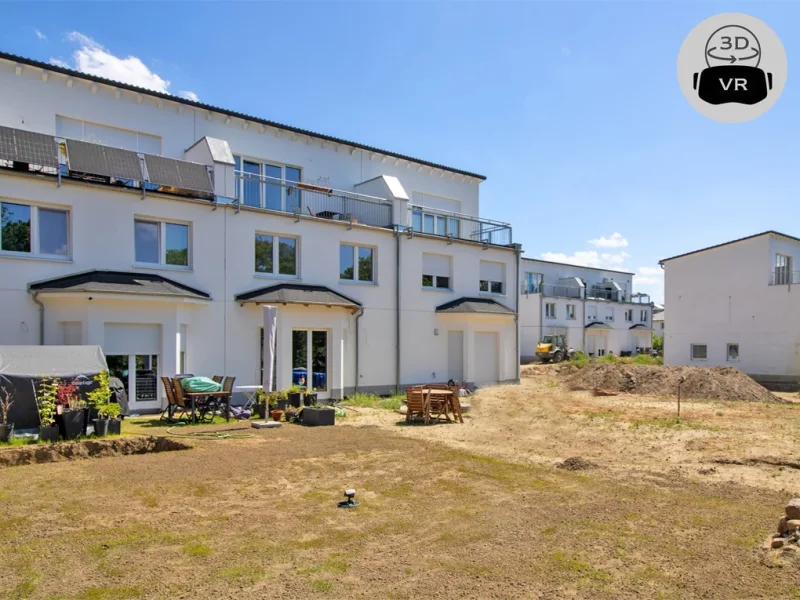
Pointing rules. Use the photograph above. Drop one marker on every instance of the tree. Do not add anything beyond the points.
(658, 343)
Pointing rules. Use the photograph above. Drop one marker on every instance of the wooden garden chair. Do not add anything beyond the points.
(416, 405)
(456, 403)
(437, 404)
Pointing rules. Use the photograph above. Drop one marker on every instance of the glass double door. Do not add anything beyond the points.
(310, 360)
(139, 375)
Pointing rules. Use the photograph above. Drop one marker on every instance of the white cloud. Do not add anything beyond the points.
(189, 95)
(59, 63)
(94, 59)
(589, 258)
(615, 241)
(40, 35)
(649, 275)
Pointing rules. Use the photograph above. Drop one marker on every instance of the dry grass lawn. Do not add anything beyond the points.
(448, 511)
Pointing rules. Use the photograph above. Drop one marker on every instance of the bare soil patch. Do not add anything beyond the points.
(576, 463)
(25, 455)
(715, 383)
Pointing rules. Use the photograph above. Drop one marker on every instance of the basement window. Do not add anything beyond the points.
(699, 352)
(733, 352)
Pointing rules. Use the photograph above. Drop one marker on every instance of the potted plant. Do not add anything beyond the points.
(106, 416)
(100, 399)
(282, 400)
(115, 424)
(70, 411)
(6, 400)
(291, 414)
(315, 416)
(276, 415)
(310, 398)
(262, 400)
(295, 395)
(46, 403)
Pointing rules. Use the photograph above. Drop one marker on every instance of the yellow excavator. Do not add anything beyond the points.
(552, 348)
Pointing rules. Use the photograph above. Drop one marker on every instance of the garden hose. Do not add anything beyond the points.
(212, 435)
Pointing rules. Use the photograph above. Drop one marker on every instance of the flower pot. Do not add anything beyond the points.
(276, 415)
(71, 423)
(6, 431)
(101, 427)
(114, 427)
(262, 411)
(295, 399)
(310, 399)
(318, 416)
(90, 414)
(48, 434)
(283, 404)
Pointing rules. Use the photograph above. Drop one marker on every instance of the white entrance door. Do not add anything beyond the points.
(132, 354)
(310, 355)
(455, 355)
(486, 362)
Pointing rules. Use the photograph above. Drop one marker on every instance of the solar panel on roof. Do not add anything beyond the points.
(86, 157)
(178, 174)
(28, 147)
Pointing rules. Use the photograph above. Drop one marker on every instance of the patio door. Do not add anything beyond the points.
(139, 375)
(310, 360)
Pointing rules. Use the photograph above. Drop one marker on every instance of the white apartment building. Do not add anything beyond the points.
(594, 308)
(732, 305)
(158, 227)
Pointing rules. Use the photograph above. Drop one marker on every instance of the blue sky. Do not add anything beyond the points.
(571, 109)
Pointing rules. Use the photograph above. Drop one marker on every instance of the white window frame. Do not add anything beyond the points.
(262, 163)
(571, 313)
(355, 280)
(589, 316)
(83, 123)
(452, 225)
(629, 315)
(550, 310)
(643, 315)
(532, 283)
(162, 244)
(728, 352)
(691, 351)
(276, 237)
(35, 237)
(435, 278)
(609, 317)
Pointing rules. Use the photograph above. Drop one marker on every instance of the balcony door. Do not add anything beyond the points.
(310, 360)
(783, 269)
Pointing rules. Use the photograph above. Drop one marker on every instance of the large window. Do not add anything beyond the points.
(424, 222)
(267, 185)
(161, 243)
(550, 310)
(609, 314)
(34, 230)
(783, 269)
(135, 141)
(492, 277)
(628, 315)
(699, 351)
(570, 311)
(643, 315)
(276, 255)
(356, 263)
(532, 284)
(436, 271)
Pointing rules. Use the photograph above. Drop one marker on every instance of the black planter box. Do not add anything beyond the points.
(114, 427)
(261, 409)
(295, 399)
(48, 434)
(6, 431)
(310, 399)
(283, 404)
(101, 427)
(314, 417)
(71, 424)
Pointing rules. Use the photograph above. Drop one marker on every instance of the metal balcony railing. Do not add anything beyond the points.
(297, 197)
(459, 226)
(560, 291)
(784, 277)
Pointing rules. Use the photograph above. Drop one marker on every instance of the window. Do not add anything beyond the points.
(436, 269)
(643, 316)
(733, 352)
(492, 277)
(609, 314)
(570, 311)
(532, 283)
(349, 257)
(550, 310)
(135, 141)
(34, 230)
(161, 243)
(783, 269)
(629, 315)
(699, 352)
(591, 313)
(267, 185)
(435, 224)
(276, 255)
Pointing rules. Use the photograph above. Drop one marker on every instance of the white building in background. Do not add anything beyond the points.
(594, 308)
(733, 305)
(161, 239)
(659, 318)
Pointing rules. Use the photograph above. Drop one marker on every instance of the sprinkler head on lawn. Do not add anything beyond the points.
(349, 503)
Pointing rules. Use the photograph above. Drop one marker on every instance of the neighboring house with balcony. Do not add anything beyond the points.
(594, 308)
(733, 305)
(157, 227)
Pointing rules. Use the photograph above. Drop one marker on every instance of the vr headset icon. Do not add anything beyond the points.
(732, 83)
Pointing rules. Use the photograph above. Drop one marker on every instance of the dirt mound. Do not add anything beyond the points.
(576, 463)
(25, 455)
(715, 383)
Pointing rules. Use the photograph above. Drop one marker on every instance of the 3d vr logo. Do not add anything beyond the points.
(732, 68)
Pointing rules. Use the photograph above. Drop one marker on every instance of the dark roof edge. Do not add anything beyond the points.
(42, 284)
(463, 299)
(552, 262)
(224, 111)
(744, 239)
(244, 296)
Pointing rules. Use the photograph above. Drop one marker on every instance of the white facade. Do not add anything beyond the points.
(659, 318)
(593, 308)
(732, 305)
(220, 335)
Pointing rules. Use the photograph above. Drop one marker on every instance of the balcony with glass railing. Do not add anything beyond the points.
(459, 226)
(784, 277)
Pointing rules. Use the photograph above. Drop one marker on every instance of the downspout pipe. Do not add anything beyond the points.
(397, 312)
(35, 296)
(359, 314)
(518, 252)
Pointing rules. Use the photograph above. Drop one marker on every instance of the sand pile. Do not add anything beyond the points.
(715, 383)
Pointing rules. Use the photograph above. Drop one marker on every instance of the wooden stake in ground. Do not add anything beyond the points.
(680, 382)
